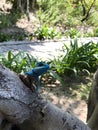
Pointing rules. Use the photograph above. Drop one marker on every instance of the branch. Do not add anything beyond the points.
(18, 105)
(88, 12)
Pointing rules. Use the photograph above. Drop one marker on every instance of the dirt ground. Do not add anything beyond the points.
(64, 98)
(67, 98)
(70, 104)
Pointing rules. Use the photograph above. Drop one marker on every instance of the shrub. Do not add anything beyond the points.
(72, 33)
(88, 34)
(4, 37)
(77, 58)
(45, 32)
(95, 31)
(23, 62)
(18, 62)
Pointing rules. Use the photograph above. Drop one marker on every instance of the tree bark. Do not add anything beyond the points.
(28, 111)
(92, 115)
(22, 6)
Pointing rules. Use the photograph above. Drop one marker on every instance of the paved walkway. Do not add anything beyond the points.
(42, 50)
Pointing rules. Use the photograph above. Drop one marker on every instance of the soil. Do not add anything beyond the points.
(65, 97)
(72, 105)
(71, 97)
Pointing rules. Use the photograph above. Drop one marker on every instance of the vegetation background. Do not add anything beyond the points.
(47, 18)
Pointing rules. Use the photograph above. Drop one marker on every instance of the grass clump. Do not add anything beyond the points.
(45, 32)
(23, 62)
(95, 31)
(77, 58)
(4, 37)
(19, 62)
(72, 33)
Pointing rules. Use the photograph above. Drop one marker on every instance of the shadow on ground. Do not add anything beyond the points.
(72, 97)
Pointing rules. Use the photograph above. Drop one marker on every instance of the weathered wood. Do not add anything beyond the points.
(92, 115)
(18, 105)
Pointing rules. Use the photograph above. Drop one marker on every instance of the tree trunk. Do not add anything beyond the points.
(22, 6)
(92, 115)
(28, 111)
(87, 12)
(83, 7)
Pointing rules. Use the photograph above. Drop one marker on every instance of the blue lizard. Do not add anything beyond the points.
(39, 69)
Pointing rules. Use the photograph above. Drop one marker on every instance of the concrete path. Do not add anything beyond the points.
(42, 50)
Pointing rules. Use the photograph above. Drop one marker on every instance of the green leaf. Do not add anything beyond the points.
(55, 75)
(9, 56)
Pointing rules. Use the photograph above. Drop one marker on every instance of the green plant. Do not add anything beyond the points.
(88, 34)
(77, 58)
(72, 33)
(4, 37)
(7, 37)
(4, 20)
(7, 20)
(19, 36)
(67, 13)
(18, 62)
(45, 32)
(23, 62)
(95, 31)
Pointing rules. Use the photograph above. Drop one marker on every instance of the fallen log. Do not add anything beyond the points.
(24, 109)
